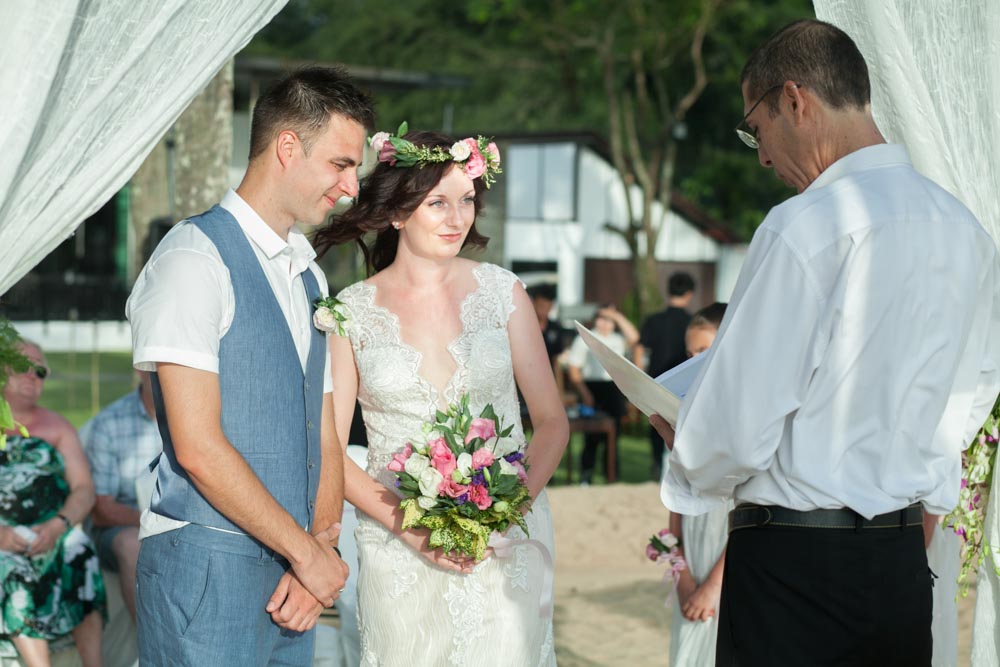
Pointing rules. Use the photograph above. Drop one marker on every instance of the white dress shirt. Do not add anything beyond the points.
(858, 356)
(182, 304)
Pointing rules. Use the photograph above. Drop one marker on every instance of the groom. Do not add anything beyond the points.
(858, 356)
(238, 553)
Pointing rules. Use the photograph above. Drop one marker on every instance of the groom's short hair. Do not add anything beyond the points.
(303, 102)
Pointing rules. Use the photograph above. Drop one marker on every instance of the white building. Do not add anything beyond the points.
(557, 194)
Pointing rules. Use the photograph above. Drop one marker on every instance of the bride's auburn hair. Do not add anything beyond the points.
(390, 194)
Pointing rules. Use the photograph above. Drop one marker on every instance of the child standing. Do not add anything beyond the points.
(694, 625)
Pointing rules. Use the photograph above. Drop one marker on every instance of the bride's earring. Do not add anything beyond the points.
(397, 226)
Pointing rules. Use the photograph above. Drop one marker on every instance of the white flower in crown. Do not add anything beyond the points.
(460, 151)
(378, 140)
(331, 316)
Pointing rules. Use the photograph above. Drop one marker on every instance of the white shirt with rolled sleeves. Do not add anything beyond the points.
(858, 356)
(182, 304)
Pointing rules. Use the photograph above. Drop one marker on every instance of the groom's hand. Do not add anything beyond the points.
(292, 606)
(665, 430)
(322, 572)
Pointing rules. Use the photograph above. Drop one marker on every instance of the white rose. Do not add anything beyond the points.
(504, 446)
(325, 320)
(429, 481)
(669, 541)
(460, 151)
(416, 464)
(426, 503)
(464, 464)
(506, 468)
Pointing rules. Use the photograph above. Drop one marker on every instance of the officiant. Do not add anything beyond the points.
(857, 358)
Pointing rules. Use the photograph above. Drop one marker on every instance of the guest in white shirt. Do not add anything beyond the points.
(858, 356)
(594, 385)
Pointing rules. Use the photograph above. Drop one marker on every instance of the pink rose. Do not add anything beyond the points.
(451, 488)
(387, 154)
(522, 474)
(652, 553)
(482, 458)
(476, 164)
(480, 496)
(494, 152)
(442, 457)
(399, 459)
(481, 428)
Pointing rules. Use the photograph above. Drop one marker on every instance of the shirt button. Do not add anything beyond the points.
(309, 424)
(311, 465)
(312, 504)
(307, 386)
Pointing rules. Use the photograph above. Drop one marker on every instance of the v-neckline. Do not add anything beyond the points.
(436, 393)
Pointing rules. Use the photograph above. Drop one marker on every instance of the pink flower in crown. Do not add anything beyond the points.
(481, 428)
(482, 458)
(442, 457)
(475, 166)
(480, 496)
(494, 152)
(451, 488)
(399, 459)
(387, 154)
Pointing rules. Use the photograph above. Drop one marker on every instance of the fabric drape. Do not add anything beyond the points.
(935, 71)
(87, 89)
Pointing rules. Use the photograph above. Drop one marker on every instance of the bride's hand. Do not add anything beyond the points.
(417, 540)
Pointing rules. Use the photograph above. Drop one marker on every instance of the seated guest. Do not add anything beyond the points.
(50, 580)
(121, 441)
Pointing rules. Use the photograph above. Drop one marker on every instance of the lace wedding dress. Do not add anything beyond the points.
(409, 611)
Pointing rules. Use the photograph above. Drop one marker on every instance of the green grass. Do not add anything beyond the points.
(83, 383)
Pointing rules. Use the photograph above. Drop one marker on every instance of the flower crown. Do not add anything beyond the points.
(478, 157)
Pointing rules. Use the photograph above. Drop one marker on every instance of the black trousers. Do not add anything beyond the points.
(819, 596)
(609, 400)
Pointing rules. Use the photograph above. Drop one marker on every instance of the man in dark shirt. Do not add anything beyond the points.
(543, 298)
(662, 343)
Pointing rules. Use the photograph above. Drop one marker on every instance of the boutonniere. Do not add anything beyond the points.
(331, 316)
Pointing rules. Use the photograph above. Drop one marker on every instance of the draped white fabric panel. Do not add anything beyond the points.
(87, 87)
(935, 69)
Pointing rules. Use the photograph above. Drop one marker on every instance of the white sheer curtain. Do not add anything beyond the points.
(87, 87)
(935, 69)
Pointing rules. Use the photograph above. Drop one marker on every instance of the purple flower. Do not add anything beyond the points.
(398, 483)
(462, 499)
(515, 456)
(479, 479)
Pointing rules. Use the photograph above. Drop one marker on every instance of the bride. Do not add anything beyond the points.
(425, 329)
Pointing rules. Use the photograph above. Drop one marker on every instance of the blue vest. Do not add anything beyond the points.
(271, 410)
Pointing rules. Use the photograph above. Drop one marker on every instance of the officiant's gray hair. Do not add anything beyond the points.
(303, 103)
(811, 53)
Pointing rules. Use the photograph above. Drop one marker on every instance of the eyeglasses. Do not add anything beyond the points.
(40, 372)
(743, 131)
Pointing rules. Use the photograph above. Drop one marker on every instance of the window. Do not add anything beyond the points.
(541, 181)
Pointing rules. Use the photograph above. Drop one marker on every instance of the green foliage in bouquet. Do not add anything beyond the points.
(968, 519)
(464, 482)
(11, 361)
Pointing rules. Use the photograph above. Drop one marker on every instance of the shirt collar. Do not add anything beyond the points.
(265, 238)
(869, 157)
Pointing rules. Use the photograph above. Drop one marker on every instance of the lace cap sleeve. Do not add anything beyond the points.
(503, 282)
(353, 299)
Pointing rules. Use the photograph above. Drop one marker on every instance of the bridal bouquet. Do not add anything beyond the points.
(463, 478)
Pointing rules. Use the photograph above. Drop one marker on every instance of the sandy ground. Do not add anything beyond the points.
(609, 598)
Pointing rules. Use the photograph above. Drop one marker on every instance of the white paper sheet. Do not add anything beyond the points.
(642, 391)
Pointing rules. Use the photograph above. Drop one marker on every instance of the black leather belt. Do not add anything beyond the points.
(749, 515)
